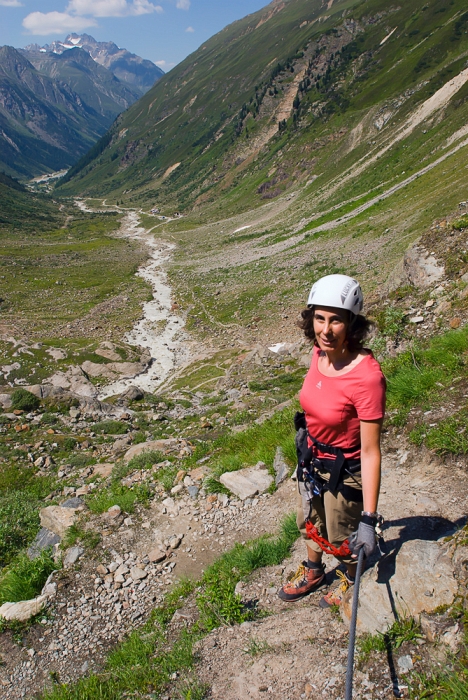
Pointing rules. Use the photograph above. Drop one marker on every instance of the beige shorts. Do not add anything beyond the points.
(334, 517)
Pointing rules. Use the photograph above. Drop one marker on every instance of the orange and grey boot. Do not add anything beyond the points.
(306, 580)
(335, 596)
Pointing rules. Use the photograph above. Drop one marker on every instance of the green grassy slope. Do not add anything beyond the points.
(22, 210)
(318, 71)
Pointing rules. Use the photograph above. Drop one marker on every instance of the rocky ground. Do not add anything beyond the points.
(122, 563)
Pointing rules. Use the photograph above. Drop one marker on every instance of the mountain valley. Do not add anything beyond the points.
(150, 347)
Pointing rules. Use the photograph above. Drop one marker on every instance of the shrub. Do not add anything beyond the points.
(24, 578)
(23, 400)
(111, 427)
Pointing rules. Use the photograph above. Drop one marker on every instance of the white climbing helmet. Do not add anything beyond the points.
(338, 291)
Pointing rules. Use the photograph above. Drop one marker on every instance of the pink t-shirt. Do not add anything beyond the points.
(334, 406)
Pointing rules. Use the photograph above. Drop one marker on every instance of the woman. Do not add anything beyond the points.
(343, 397)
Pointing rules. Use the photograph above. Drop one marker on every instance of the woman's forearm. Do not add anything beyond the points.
(370, 463)
(370, 471)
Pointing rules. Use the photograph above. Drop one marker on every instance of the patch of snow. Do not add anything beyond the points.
(242, 228)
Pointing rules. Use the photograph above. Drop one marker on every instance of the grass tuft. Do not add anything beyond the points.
(25, 578)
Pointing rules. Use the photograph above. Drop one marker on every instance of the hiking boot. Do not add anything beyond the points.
(304, 581)
(335, 596)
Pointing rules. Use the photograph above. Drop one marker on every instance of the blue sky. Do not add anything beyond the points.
(165, 31)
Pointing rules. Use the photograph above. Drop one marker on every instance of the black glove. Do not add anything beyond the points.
(364, 538)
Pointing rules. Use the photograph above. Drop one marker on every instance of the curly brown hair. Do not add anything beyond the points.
(357, 328)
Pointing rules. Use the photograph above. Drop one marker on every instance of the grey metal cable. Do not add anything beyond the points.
(352, 628)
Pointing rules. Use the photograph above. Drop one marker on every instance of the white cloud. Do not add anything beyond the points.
(45, 23)
(183, 4)
(190, 30)
(112, 8)
(11, 3)
(164, 65)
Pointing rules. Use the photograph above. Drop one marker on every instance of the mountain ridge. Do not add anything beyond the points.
(140, 73)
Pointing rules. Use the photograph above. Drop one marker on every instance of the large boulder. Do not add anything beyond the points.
(422, 269)
(23, 610)
(57, 519)
(419, 580)
(247, 483)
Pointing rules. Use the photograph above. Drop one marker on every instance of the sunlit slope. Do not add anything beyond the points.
(297, 93)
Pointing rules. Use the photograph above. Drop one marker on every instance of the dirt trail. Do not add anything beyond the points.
(299, 650)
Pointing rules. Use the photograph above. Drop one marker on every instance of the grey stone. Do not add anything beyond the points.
(5, 400)
(391, 586)
(137, 574)
(280, 466)
(421, 268)
(73, 503)
(246, 483)
(405, 663)
(133, 393)
(72, 556)
(45, 538)
(193, 491)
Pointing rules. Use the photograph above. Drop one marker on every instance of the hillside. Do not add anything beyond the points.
(21, 210)
(289, 97)
(136, 72)
(45, 124)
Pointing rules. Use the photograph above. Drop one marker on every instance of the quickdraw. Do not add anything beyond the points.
(325, 545)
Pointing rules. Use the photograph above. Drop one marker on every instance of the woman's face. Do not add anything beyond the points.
(330, 327)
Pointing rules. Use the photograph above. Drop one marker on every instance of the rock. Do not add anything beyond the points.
(455, 322)
(416, 319)
(175, 541)
(127, 370)
(156, 556)
(280, 466)
(57, 519)
(113, 513)
(418, 560)
(23, 610)
(73, 503)
(103, 470)
(442, 307)
(246, 483)
(57, 353)
(405, 663)
(101, 570)
(177, 489)
(121, 444)
(5, 400)
(45, 538)
(137, 574)
(421, 268)
(72, 556)
(97, 369)
(122, 570)
(171, 506)
(107, 353)
(197, 474)
(193, 491)
(133, 393)
(156, 445)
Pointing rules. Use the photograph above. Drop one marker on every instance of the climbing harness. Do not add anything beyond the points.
(309, 471)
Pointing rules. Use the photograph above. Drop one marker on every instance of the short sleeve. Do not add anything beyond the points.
(369, 396)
